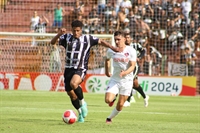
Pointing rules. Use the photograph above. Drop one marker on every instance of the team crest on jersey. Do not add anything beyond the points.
(126, 54)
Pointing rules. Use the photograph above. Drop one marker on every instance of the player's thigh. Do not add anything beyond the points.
(112, 87)
(77, 78)
(68, 74)
(111, 90)
(126, 87)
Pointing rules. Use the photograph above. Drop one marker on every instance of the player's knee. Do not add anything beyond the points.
(73, 85)
(108, 100)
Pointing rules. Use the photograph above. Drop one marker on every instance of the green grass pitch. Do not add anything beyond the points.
(41, 112)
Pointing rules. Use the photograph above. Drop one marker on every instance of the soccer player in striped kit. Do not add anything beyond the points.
(77, 47)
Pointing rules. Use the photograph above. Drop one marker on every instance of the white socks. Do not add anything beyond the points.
(114, 113)
(81, 102)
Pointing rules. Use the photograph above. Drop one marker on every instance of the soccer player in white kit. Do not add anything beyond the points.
(122, 79)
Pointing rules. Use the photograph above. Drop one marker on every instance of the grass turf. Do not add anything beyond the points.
(41, 112)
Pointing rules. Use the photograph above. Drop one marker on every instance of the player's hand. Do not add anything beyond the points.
(108, 74)
(122, 73)
(62, 31)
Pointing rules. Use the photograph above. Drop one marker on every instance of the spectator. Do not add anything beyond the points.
(172, 34)
(93, 16)
(163, 27)
(195, 6)
(175, 16)
(55, 61)
(190, 58)
(59, 12)
(122, 20)
(127, 5)
(155, 35)
(148, 14)
(191, 29)
(42, 25)
(78, 11)
(117, 5)
(34, 21)
(186, 7)
(196, 38)
(109, 14)
(132, 23)
(143, 29)
(156, 61)
(136, 11)
(195, 17)
(157, 10)
(101, 6)
(186, 44)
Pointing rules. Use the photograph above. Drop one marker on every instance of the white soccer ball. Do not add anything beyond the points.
(69, 117)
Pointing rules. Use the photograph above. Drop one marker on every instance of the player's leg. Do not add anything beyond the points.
(68, 74)
(135, 72)
(111, 92)
(113, 101)
(129, 99)
(75, 84)
(124, 91)
(140, 90)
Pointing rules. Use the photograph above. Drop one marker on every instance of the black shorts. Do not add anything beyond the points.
(69, 73)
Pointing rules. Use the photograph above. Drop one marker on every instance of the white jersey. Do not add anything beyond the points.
(121, 62)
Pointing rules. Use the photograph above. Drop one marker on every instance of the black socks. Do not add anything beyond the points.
(78, 91)
(76, 104)
(140, 90)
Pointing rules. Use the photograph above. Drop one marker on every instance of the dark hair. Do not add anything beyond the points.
(119, 33)
(186, 48)
(77, 23)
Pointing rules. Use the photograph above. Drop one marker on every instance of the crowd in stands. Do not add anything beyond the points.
(163, 27)
(160, 26)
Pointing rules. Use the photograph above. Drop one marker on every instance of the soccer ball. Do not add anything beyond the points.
(69, 117)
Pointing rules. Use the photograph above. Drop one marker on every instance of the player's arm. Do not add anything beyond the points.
(129, 70)
(107, 67)
(60, 32)
(132, 63)
(108, 45)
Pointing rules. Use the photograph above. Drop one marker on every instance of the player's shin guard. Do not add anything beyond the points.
(78, 91)
(140, 90)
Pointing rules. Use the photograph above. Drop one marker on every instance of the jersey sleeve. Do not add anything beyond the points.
(93, 40)
(109, 54)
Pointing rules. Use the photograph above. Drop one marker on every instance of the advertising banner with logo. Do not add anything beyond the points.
(163, 86)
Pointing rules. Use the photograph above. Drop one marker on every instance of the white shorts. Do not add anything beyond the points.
(123, 88)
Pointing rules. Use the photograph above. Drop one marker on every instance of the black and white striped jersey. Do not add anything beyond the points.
(139, 49)
(77, 50)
